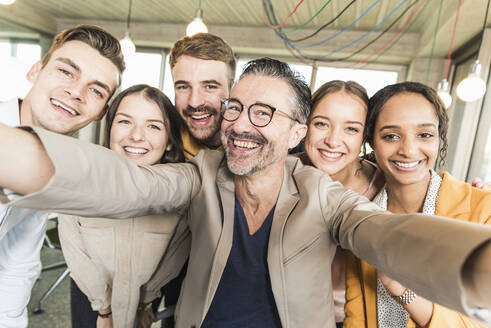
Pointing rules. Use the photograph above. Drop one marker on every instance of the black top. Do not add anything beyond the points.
(244, 297)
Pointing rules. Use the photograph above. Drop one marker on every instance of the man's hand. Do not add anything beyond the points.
(478, 183)
(145, 317)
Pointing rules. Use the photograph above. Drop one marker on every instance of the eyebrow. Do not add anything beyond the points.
(129, 116)
(71, 63)
(324, 117)
(387, 127)
(210, 82)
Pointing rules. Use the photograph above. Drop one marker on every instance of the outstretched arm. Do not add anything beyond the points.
(24, 164)
(476, 276)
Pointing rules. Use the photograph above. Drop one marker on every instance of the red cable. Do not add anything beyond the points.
(393, 37)
(287, 17)
(447, 65)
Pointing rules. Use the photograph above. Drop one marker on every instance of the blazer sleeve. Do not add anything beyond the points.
(425, 253)
(94, 181)
(83, 271)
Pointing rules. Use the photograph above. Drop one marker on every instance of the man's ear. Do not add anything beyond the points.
(102, 113)
(169, 147)
(33, 73)
(300, 130)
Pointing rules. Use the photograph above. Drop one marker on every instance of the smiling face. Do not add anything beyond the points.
(406, 139)
(250, 149)
(71, 90)
(335, 132)
(138, 131)
(199, 86)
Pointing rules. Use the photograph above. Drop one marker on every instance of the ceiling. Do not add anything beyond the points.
(242, 23)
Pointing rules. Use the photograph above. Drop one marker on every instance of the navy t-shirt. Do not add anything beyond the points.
(244, 297)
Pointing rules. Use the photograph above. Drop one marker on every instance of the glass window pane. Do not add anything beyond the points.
(142, 67)
(13, 82)
(29, 53)
(372, 80)
(486, 166)
(304, 70)
(4, 49)
(168, 81)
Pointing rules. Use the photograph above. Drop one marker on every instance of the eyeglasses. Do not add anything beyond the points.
(259, 114)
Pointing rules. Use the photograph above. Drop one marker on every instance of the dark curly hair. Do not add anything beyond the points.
(378, 100)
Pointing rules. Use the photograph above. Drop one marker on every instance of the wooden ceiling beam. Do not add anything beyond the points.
(256, 40)
(23, 15)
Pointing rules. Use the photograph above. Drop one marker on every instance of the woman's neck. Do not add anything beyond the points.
(407, 198)
(355, 176)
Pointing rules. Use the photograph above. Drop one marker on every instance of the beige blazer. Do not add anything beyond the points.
(313, 215)
(110, 260)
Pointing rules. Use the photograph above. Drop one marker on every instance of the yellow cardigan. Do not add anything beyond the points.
(456, 200)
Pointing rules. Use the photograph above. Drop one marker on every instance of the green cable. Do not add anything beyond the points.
(433, 43)
(311, 19)
(398, 38)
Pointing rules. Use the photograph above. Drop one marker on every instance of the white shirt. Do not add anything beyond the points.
(21, 237)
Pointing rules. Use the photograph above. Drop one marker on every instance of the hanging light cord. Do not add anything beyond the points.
(484, 24)
(287, 17)
(447, 65)
(129, 17)
(433, 42)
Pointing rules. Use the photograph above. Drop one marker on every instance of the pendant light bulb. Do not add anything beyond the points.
(473, 86)
(442, 90)
(127, 46)
(197, 25)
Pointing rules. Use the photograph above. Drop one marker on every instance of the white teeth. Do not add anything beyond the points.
(330, 154)
(245, 144)
(137, 151)
(200, 117)
(406, 165)
(57, 103)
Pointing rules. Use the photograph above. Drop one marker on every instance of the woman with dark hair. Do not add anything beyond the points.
(110, 260)
(407, 128)
(333, 144)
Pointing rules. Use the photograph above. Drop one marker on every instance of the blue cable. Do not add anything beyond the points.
(343, 30)
(313, 57)
(367, 33)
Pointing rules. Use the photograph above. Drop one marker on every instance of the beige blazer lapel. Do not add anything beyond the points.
(287, 200)
(226, 188)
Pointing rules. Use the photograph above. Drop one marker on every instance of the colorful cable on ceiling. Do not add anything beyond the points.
(399, 37)
(332, 37)
(309, 20)
(427, 78)
(392, 41)
(286, 18)
(269, 15)
(323, 26)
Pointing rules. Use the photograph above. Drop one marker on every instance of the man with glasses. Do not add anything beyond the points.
(264, 227)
